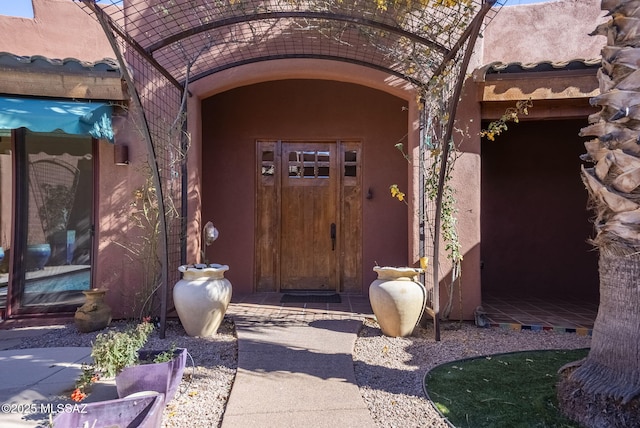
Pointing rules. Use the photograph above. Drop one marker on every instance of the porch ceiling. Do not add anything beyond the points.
(188, 40)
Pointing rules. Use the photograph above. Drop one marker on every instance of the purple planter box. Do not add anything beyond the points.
(160, 377)
(130, 412)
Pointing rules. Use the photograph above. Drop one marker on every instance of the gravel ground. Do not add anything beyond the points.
(389, 371)
(206, 383)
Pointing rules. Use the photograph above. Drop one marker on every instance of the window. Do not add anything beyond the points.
(309, 164)
(52, 216)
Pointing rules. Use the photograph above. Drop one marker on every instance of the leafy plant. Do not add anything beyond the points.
(165, 356)
(449, 222)
(142, 245)
(111, 353)
(511, 114)
(115, 350)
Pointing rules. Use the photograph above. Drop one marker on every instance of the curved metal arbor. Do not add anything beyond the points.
(162, 46)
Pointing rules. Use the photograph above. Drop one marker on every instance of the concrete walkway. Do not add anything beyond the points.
(294, 368)
(29, 378)
(294, 364)
(294, 375)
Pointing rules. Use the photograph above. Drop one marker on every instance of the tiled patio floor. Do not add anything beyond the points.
(506, 312)
(571, 315)
(268, 305)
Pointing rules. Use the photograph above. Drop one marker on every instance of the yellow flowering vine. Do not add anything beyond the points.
(396, 193)
(511, 114)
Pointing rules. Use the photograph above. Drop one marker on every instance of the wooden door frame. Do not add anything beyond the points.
(269, 176)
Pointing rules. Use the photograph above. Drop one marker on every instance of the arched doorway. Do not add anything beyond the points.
(285, 160)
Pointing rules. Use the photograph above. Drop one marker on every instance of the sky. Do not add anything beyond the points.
(24, 9)
(21, 8)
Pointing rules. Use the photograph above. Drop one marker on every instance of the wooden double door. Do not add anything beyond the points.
(308, 216)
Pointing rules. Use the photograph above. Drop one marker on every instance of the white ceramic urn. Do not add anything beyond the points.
(397, 299)
(202, 297)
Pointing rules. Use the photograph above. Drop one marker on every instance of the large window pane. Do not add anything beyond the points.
(6, 185)
(59, 172)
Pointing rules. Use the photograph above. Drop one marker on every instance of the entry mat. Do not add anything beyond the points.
(310, 298)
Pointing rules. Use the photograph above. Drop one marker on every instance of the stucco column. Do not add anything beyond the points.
(194, 179)
(413, 142)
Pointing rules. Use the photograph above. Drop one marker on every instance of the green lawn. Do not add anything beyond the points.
(506, 390)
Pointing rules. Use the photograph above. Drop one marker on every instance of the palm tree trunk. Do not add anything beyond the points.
(603, 390)
(610, 374)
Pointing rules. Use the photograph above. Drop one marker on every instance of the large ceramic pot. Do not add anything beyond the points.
(397, 299)
(37, 256)
(201, 298)
(162, 377)
(95, 314)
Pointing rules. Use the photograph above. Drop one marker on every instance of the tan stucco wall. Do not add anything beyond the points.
(526, 34)
(59, 29)
(551, 31)
(556, 31)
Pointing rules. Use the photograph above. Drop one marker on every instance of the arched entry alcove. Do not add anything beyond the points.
(252, 137)
(168, 46)
(297, 101)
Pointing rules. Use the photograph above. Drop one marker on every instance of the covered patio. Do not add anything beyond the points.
(181, 54)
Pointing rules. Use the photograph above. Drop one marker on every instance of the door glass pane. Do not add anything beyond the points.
(268, 163)
(309, 164)
(59, 172)
(6, 186)
(350, 163)
(323, 164)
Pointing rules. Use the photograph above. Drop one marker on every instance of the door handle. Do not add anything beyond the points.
(333, 236)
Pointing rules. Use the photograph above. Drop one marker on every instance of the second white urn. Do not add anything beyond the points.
(397, 299)
(201, 298)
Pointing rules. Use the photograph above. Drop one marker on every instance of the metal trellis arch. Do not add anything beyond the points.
(163, 46)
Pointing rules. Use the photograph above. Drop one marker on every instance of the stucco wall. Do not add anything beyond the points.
(555, 31)
(59, 29)
(301, 109)
(550, 31)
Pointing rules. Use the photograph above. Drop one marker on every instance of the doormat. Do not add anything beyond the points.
(311, 298)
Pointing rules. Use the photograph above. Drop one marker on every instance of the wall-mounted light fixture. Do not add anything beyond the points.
(121, 154)
(370, 193)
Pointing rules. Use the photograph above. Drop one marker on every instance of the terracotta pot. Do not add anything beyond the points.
(95, 314)
(397, 299)
(163, 377)
(201, 298)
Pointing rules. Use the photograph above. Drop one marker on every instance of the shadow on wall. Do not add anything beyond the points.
(535, 224)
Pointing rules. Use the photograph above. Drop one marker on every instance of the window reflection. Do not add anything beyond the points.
(350, 163)
(6, 185)
(268, 163)
(59, 198)
(309, 164)
(54, 193)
